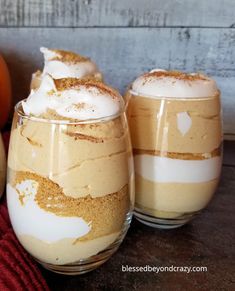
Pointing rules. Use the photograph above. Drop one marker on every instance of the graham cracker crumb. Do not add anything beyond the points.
(181, 156)
(106, 214)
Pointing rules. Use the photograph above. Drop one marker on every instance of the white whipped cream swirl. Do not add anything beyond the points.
(60, 69)
(154, 86)
(75, 103)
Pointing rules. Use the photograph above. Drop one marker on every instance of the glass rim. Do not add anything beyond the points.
(134, 93)
(21, 113)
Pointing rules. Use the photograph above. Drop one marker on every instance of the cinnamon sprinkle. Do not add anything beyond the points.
(88, 83)
(68, 56)
(80, 105)
(176, 75)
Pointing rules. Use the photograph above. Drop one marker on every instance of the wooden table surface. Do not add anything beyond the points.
(207, 241)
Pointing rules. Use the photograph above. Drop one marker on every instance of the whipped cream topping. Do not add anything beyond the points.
(174, 84)
(64, 64)
(84, 100)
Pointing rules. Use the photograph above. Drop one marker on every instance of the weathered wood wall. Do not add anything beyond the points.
(125, 38)
(83, 13)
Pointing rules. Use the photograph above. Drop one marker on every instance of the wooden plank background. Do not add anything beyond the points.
(125, 38)
(90, 13)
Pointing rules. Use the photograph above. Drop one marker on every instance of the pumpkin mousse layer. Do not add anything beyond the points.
(70, 165)
(176, 135)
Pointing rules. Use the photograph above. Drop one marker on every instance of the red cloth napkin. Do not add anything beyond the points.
(18, 271)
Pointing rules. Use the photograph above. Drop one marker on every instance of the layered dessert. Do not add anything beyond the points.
(177, 137)
(65, 64)
(69, 187)
(2, 166)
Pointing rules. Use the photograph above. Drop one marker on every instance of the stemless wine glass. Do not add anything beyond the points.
(177, 145)
(2, 166)
(70, 189)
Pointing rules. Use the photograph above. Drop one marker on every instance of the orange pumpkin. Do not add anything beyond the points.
(5, 93)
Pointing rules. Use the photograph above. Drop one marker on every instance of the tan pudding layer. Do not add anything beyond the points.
(174, 197)
(66, 251)
(159, 117)
(97, 153)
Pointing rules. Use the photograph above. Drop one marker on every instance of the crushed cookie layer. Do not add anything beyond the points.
(106, 213)
(180, 156)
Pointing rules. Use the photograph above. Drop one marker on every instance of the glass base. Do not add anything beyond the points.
(87, 265)
(162, 223)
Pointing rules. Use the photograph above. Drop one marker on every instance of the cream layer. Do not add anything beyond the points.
(28, 218)
(167, 170)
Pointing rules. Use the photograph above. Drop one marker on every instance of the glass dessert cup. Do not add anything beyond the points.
(177, 146)
(70, 189)
(2, 166)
